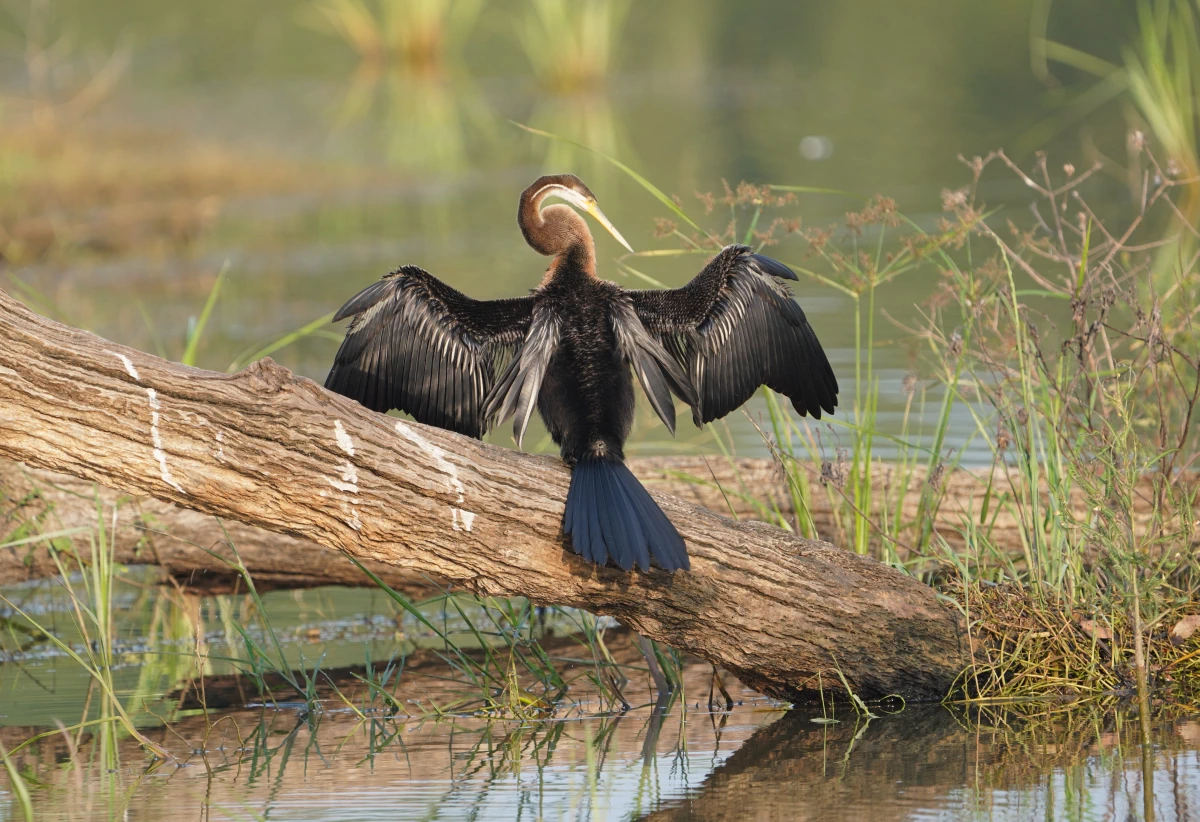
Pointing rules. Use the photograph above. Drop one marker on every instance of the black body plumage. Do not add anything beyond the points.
(571, 349)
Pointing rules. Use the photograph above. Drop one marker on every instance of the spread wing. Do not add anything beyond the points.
(659, 373)
(735, 327)
(516, 393)
(418, 345)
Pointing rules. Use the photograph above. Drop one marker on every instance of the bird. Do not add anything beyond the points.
(570, 349)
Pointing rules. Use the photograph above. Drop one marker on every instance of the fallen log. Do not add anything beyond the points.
(193, 549)
(196, 550)
(274, 450)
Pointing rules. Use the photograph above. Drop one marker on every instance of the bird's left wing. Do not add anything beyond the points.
(418, 345)
(735, 327)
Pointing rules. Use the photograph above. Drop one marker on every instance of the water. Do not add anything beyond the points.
(351, 760)
(925, 764)
(239, 136)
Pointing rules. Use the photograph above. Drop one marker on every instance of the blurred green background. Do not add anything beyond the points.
(309, 146)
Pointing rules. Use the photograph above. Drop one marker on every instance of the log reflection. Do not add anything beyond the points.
(990, 763)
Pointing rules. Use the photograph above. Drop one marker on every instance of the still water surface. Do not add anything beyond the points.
(925, 765)
(248, 761)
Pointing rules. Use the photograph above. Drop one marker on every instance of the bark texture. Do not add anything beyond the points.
(183, 542)
(274, 450)
(191, 548)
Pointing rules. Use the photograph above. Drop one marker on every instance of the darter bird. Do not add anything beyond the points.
(418, 345)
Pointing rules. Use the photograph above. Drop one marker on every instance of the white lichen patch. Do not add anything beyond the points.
(436, 454)
(350, 475)
(345, 487)
(343, 438)
(350, 514)
(349, 481)
(157, 442)
(348, 484)
(468, 518)
(128, 363)
(460, 519)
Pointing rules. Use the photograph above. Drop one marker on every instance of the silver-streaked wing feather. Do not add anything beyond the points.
(735, 327)
(516, 392)
(658, 372)
(420, 346)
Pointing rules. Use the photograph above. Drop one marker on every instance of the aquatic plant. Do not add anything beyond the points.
(17, 785)
(1082, 379)
(1163, 72)
(1159, 74)
(1090, 425)
(92, 619)
(571, 44)
(417, 34)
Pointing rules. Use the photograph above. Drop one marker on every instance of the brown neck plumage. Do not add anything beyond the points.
(557, 230)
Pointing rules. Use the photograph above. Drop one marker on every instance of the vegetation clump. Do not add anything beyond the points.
(1073, 349)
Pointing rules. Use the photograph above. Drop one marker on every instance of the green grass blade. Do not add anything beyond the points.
(816, 190)
(189, 353)
(270, 348)
(641, 276)
(17, 785)
(1077, 59)
(46, 537)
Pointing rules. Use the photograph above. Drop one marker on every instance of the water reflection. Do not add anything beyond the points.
(925, 763)
(355, 756)
(588, 118)
(421, 117)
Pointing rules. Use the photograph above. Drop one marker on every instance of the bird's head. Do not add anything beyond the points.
(554, 229)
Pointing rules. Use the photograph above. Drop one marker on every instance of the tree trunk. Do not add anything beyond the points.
(183, 542)
(274, 450)
(193, 549)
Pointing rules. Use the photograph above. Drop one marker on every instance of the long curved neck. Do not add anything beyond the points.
(557, 231)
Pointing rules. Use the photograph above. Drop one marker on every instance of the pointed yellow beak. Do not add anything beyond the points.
(593, 209)
(589, 205)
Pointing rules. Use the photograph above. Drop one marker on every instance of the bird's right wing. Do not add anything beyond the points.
(735, 327)
(418, 345)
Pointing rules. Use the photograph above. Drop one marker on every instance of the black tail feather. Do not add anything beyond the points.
(611, 516)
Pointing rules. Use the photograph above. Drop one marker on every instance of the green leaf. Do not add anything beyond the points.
(816, 190)
(17, 785)
(189, 353)
(281, 342)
